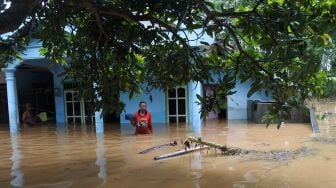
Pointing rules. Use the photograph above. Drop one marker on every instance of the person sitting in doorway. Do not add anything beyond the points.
(143, 120)
(28, 117)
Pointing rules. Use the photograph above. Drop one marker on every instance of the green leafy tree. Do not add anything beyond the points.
(118, 45)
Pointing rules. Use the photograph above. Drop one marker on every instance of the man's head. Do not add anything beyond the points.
(142, 106)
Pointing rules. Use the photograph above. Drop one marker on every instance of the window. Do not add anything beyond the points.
(177, 105)
(75, 108)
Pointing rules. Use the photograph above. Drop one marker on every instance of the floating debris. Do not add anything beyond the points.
(281, 155)
(158, 147)
(178, 153)
(223, 148)
(257, 155)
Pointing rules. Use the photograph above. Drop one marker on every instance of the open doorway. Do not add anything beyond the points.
(35, 86)
(222, 113)
(3, 104)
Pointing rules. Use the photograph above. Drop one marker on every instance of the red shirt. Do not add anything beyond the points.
(144, 123)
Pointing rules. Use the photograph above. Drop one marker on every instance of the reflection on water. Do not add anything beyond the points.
(101, 162)
(249, 179)
(60, 132)
(16, 159)
(75, 156)
(196, 166)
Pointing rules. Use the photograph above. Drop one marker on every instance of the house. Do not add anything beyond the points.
(35, 80)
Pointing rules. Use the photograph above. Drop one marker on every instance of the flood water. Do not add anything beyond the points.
(75, 156)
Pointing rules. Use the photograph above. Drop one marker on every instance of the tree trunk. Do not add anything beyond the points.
(15, 15)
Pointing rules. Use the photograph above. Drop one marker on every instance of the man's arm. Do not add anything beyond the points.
(134, 120)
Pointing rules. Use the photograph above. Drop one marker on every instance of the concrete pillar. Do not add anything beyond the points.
(195, 120)
(101, 160)
(59, 100)
(13, 110)
(99, 120)
(56, 70)
(18, 180)
(17, 103)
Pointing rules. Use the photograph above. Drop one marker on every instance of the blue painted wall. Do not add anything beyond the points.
(59, 93)
(33, 50)
(157, 107)
(237, 103)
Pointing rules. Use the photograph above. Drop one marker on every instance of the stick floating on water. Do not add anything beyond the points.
(178, 153)
(158, 147)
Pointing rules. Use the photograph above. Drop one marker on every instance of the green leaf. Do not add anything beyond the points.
(204, 43)
(253, 89)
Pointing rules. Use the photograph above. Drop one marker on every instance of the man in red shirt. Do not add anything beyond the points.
(143, 121)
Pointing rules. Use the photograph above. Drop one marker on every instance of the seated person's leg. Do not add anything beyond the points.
(29, 122)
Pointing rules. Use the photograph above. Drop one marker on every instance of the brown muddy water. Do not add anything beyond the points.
(75, 156)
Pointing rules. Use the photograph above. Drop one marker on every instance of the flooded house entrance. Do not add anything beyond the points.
(35, 86)
(3, 104)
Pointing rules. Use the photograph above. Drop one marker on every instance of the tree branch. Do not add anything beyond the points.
(97, 9)
(96, 14)
(13, 17)
(174, 31)
(233, 34)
